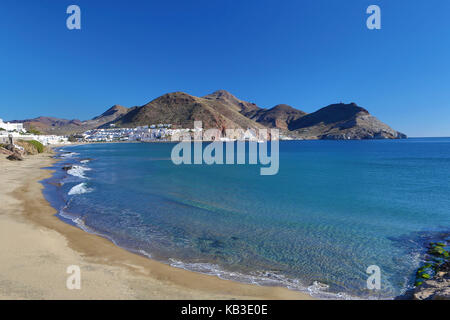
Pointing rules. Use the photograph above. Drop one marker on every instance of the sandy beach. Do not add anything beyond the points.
(36, 249)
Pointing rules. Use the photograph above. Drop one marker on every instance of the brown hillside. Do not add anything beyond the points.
(342, 121)
(280, 116)
(181, 110)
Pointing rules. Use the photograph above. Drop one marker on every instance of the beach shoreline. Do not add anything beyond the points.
(37, 247)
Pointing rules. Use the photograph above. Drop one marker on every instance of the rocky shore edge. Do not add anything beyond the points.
(433, 278)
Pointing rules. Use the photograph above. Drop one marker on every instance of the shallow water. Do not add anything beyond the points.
(334, 208)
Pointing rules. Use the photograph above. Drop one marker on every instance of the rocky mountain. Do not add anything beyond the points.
(51, 125)
(342, 121)
(57, 126)
(220, 109)
(225, 98)
(111, 114)
(181, 109)
(281, 116)
(223, 110)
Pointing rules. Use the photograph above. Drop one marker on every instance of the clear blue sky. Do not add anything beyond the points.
(306, 53)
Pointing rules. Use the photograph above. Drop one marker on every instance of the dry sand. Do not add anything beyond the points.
(36, 248)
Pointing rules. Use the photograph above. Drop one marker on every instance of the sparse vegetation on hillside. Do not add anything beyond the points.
(72, 138)
(39, 146)
(31, 146)
(34, 131)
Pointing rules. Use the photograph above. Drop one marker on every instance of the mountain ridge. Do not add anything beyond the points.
(223, 110)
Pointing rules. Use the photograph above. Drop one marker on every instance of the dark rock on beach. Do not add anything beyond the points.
(15, 157)
(13, 153)
(6, 151)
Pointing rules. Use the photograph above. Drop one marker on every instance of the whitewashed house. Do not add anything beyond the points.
(11, 126)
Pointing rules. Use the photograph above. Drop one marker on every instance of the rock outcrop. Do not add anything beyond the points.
(13, 153)
(15, 157)
(342, 122)
(5, 151)
(437, 288)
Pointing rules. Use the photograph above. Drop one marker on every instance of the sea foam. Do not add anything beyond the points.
(78, 171)
(68, 154)
(79, 189)
(262, 278)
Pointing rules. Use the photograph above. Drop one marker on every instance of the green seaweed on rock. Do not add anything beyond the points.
(437, 255)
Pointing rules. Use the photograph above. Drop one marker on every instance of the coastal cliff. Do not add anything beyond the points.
(343, 121)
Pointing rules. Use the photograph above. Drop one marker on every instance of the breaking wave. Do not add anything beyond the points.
(79, 189)
(78, 171)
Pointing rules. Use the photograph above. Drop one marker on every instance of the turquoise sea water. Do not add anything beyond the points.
(334, 208)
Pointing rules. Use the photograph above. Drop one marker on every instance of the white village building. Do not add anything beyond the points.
(11, 126)
(17, 132)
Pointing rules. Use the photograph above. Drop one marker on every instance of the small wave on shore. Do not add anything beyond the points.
(68, 154)
(261, 278)
(79, 189)
(78, 171)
